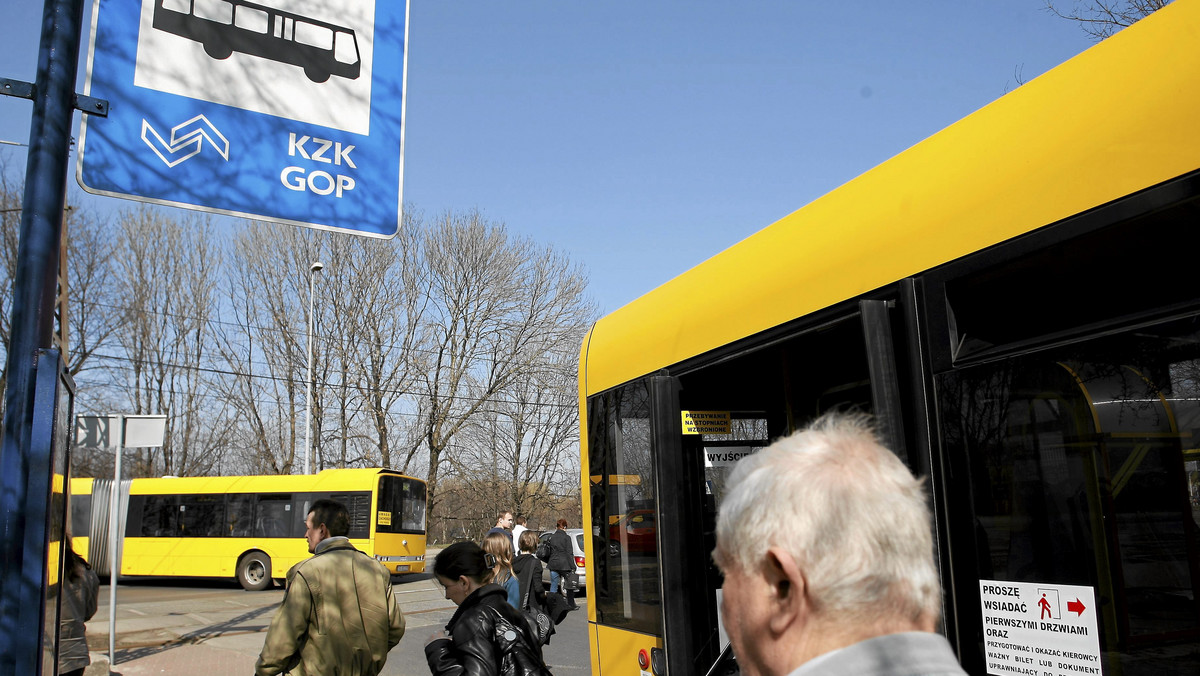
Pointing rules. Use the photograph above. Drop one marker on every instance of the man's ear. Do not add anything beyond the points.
(789, 589)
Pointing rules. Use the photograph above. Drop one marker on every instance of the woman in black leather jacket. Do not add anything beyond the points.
(486, 636)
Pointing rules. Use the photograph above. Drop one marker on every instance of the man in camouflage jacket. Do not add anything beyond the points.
(339, 612)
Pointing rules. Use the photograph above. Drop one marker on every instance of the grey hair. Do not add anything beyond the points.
(847, 510)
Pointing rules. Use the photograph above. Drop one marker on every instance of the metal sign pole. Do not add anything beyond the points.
(33, 316)
(113, 546)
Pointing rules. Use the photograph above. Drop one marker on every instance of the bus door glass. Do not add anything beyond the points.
(1083, 468)
(624, 499)
(767, 393)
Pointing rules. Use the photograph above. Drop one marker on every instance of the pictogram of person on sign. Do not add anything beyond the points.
(1045, 606)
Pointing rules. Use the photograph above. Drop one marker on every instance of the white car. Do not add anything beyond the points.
(580, 563)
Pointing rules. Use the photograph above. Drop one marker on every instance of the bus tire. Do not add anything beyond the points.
(217, 49)
(315, 74)
(254, 572)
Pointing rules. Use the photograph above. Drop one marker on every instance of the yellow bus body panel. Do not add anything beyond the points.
(395, 545)
(618, 650)
(1116, 119)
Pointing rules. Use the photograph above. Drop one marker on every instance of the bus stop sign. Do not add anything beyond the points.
(281, 110)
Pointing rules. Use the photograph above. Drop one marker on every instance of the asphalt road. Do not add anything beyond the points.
(211, 628)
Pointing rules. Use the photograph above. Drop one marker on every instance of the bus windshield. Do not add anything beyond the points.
(403, 500)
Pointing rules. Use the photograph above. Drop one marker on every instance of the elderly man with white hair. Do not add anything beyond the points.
(824, 540)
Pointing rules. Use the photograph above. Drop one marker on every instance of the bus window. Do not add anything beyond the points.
(357, 504)
(626, 580)
(345, 47)
(159, 517)
(1083, 463)
(81, 515)
(201, 516)
(219, 11)
(273, 516)
(252, 19)
(240, 523)
(314, 35)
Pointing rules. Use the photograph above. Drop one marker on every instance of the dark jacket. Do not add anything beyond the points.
(79, 601)
(537, 591)
(562, 554)
(480, 644)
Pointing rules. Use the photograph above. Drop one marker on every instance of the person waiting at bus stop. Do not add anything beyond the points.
(339, 614)
(825, 543)
(562, 563)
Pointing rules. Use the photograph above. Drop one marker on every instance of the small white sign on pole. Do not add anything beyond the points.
(142, 431)
(1039, 629)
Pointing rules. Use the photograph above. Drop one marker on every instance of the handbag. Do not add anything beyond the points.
(557, 606)
(537, 617)
(516, 655)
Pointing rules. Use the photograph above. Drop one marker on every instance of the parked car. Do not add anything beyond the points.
(580, 567)
(636, 532)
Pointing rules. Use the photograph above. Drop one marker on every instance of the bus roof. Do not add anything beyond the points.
(326, 480)
(1115, 119)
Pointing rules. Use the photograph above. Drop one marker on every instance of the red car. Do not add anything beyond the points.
(636, 531)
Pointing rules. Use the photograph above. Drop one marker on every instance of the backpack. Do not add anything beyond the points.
(543, 551)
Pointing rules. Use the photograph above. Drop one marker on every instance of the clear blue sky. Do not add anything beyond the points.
(643, 136)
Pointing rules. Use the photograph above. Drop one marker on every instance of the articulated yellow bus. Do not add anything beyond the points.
(247, 527)
(1016, 300)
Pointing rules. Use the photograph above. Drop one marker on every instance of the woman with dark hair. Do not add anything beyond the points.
(536, 589)
(528, 569)
(562, 563)
(485, 636)
(80, 590)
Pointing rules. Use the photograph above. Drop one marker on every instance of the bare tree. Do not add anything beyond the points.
(93, 298)
(262, 346)
(523, 449)
(92, 313)
(1102, 18)
(10, 232)
(498, 305)
(377, 295)
(167, 273)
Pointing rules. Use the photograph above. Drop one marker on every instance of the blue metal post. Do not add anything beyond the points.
(33, 324)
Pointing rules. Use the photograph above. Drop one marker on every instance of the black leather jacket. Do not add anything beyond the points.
(487, 637)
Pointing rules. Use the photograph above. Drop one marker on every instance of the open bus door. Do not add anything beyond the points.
(677, 435)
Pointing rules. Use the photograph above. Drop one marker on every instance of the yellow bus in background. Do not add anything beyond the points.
(250, 528)
(1014, 299)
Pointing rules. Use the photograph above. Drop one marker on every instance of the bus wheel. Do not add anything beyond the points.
(254, 571)
(316, 75)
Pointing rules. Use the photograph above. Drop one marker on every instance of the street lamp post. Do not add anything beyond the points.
(312, 272)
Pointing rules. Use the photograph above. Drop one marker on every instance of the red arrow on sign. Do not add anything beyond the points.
(1075, 606)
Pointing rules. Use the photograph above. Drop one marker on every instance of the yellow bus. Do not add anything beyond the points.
(246, 527)
(1016, 302)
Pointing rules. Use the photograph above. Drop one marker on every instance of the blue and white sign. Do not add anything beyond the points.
(282, 110)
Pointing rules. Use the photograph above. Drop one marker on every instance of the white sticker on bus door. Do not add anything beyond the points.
(726, 456)
(1039, 629)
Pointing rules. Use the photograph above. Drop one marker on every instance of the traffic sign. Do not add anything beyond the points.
(282, 110)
